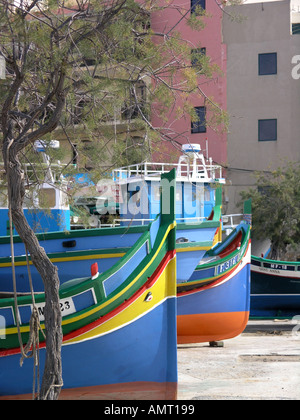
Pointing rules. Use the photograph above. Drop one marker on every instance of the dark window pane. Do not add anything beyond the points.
(267, 130)
(196, 55)
(296, 28)
(267, 64)
(197, 3)
(199, 126)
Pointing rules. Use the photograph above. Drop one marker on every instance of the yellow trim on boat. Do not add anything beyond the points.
(206, 280)
(163, 289)
(68, 321)
(68, 258)
(193, 248)
(218, 236)
(26, 328)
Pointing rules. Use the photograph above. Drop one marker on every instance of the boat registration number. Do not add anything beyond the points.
(227, 264)
(67, 307)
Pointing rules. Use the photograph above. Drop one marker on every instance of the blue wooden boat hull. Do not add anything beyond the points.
(41, 221)
(217, 313)
(216, 309)
(95, 366)
(274, 306)
(79, 240)
(275, 288)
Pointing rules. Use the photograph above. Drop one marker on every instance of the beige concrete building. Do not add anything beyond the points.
(263, 89)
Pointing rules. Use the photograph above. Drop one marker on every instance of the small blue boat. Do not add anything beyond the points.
(275, 288)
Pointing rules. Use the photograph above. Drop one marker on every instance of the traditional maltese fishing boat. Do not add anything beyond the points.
(213, 296)
(119, 326)
(214, 303)
(275, 288)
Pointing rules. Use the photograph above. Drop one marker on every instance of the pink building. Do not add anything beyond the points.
(174, 18)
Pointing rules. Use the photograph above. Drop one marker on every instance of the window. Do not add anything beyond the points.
(196, 55)
(199, 125)
(197, 4)
(267, 64)
(265, 190)
(295, 28)
(267, 130)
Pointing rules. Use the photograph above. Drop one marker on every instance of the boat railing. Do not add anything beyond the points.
(95, 225)
(117, 222)
(205, 172)
(129, 221)
(231, 221)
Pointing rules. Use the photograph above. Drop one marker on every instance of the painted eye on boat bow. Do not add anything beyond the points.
(148, 297)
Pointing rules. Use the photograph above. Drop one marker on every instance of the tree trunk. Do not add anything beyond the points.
(277, 252)
(52, 377)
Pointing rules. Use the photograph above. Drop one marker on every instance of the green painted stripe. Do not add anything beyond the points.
(81, 233)
(4, 261)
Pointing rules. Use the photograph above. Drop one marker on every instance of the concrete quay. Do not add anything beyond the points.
(263, 363)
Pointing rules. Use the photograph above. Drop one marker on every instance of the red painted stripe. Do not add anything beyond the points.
(207, 286)
(151, 280)
(169, 255)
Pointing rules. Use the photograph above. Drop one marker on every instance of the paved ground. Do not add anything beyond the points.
(262, 363)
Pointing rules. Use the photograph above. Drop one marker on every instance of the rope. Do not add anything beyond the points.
(33, 340)
(53, 386)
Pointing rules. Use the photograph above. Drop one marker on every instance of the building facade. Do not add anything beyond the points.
(263, 90)
(211, 91)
